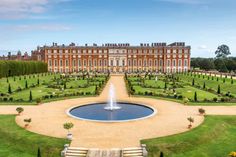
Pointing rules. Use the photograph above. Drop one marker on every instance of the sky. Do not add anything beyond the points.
(202, 24)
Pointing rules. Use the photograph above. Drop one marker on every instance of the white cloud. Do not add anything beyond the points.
(202, 47)
(21, 28)
(16, 9)
(40, 27)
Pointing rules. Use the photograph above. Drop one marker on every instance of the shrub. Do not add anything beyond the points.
(26, 84)
(214, 99)
(195, 96)
(5, 99)
(27, 121)
(186, 100)
(222, 99)
(201, 111)
(30, 96)
(165, 85)
(204, 85)
(11, 99)
(9, 89)
(191, 120)
(19, 110)
(68, 126)
(218, 90)
(180, 96)
(18, 89)
(46, 96)
(38, 100)
(227, 94)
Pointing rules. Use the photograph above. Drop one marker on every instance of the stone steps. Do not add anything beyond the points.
(132, 152)
(76, 152)
(84, 152)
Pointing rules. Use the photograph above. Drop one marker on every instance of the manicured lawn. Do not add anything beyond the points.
(214, 138)
(213, 84)
(178, 87)
(46, 87)
(17, 142)
(189, 92)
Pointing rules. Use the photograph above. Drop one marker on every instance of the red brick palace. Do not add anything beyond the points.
(117, 58)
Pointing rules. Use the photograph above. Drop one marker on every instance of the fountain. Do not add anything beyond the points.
(111, 111)
(111, 105)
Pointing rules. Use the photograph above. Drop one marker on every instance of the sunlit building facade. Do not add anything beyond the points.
(116, 58)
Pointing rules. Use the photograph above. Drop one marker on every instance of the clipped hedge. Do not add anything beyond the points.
(14, 68)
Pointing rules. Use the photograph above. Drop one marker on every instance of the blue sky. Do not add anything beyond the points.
(203, 24)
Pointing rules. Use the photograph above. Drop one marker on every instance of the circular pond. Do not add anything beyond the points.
(96, 112)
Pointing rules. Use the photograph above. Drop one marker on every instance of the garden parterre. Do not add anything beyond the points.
(44, 87)
(188, 88)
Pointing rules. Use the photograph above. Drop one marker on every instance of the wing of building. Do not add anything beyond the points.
(116, 58)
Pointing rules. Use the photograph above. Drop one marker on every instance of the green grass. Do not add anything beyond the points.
(214, 138)
(16, 141)
(188, 92)
(49, 88)
(213, 84)
(180, 87)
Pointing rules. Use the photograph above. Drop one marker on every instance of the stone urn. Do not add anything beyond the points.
(69, 136)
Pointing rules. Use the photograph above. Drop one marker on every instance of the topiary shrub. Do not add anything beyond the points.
(215, 99)
(222, 99)
(180, 96)
(201, 111)
(38, 100)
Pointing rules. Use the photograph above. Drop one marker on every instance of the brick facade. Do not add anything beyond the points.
(117, 58)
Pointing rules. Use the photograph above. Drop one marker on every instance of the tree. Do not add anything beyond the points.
(222, 51)
(220, 65)
(38, 81)
(191, 120)
(193, 82)
(65, 85)
(195, 96)
(27, 121)
(68, 126)
(201, 111)
(19, 110)
(218, 90)
(26, 84)
(161, 154)
(232, 81)
(9, 89)
(204, 85)
(39, 152)
(165, 85)
(16, 68)
(203, 63)
(30, 96)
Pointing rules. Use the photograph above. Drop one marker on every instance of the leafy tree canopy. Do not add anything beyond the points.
(222, 51)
